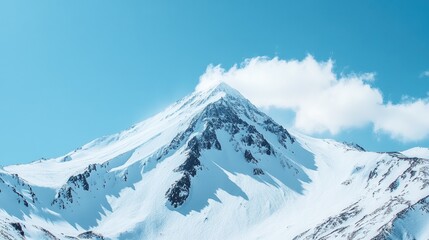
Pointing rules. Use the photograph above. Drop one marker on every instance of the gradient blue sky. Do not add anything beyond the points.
(72, 71)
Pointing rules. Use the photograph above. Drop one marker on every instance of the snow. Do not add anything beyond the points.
(419, 152)
(312, 188)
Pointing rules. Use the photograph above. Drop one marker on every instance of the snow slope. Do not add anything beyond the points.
(418, 152)
(212, 166)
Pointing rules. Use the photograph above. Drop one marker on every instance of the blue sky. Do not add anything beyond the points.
(72, 71)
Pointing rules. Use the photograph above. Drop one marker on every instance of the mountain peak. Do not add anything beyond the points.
(222, 86)
(216, 92)
(216, 87)
(208, 153)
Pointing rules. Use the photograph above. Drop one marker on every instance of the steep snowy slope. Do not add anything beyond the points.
(213, 166)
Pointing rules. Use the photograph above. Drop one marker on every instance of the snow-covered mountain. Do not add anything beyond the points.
(212, 166)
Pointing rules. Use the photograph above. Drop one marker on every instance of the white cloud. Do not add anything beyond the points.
(424, 74)
(322, 100)
(406, 121)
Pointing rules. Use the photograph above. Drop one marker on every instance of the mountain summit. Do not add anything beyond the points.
(213, 166)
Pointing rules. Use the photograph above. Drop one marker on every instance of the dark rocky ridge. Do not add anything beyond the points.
(225, 114)
(13, 183)
(79, 181)
(18, 228)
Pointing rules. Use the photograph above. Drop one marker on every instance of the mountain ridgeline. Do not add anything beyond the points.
(213, 166)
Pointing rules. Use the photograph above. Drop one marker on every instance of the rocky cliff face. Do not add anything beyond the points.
(228, 115)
